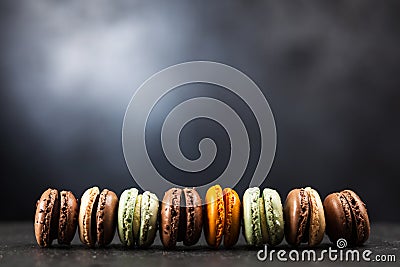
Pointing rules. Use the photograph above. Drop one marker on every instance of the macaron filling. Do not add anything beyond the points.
(221, 216)
(100, 216)
(62, 226)
(255, 217)
(171, 230)
(229, 200)
(303, 224)
(49, 227)
(136, 218)
(347, 212)
(359, 225)
(190, 217)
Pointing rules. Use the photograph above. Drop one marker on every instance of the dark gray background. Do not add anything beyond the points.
(329, 69)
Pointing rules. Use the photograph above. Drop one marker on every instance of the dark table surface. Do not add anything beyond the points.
(18, 248)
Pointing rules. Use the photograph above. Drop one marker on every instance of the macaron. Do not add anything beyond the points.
(181, 217)
(252, 217)
(68, 221)
(137, 218)
(47, 218)
(56, 217)
(97, 217)
(233, 209)
(126, 209)
(262, 217)
(346, 217)
(106, 216)
(222, 216)
(148, 219)
(304, 217)
(273, 217)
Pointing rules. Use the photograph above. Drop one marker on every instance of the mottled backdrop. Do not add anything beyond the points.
(329, 69)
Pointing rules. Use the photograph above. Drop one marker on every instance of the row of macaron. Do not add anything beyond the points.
(182, 215)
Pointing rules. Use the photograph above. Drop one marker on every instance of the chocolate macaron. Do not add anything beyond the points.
(181, 217)
(68, 222)
(97, 217)
(304, 217)
(47, 218)
(56, 217)
(223, 211)
(346, 217)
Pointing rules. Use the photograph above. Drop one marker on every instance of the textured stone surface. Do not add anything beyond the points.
(18, 248)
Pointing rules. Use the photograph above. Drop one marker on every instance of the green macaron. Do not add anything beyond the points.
(137, 218)
(126, 209)
(274, 216)
(252, 217)
(148, 219)
(262, 217)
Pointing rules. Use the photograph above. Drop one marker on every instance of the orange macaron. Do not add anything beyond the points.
(222, 216)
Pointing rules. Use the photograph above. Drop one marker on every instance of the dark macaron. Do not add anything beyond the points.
(56, 217)
(47, 218)
(193, 214)
(181, 217)
(347, 217)
(68, 217)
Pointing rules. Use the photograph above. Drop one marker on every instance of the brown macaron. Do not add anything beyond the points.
(181, 217)
(106, 217)
(47, 218)
(304, 217)
(97, 217)
(68, 217)
(193, 214)
(347, 217)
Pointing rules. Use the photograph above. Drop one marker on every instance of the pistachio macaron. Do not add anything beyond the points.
(274, 216)
(126, 209)
(137, 218)
(252, 215)
(262, 217)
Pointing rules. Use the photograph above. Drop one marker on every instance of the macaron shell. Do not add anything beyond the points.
(169, 218)
(68, 221)
(87, 216)
(215, 216)
(274, 213)
(361, 224)
(317, 218)
(126, 207)
(251, 217)
(194, 216)
(339, 222)
(106, 217)
(232, 217)
(46, 218)
(148, 219)
(296, 212)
